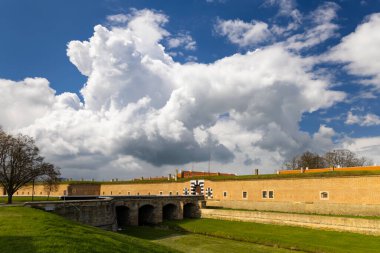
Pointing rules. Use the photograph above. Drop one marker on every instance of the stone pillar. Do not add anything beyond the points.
(197, 211)
(180, 211)
(113, 216)
(133, 214)
(157, 214)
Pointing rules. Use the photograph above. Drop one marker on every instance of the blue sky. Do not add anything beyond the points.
(319, 38)
(36, 33)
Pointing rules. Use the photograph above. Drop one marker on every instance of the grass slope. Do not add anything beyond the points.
(208, 244)
(26, 230)
(239, 177)
(309, 240)
(187, 242)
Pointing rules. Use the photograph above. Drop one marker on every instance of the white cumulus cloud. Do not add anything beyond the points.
(183, 40)
(360, 51)
(369, 119)
(367, 146)
(243, 33)
(322, 28)
(25, 101)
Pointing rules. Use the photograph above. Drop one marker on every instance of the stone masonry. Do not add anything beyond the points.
(134, 210)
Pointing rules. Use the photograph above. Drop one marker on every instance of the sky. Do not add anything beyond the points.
(123, 89)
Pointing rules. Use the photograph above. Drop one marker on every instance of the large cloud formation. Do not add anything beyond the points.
(23, 102)
(142, 110)
(361, 62)
(359, 53)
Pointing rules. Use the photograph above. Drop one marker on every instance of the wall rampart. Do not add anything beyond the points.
(356, 225)
(164, 188)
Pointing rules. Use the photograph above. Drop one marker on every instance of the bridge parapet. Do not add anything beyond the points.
(98, 213)
(159, 197)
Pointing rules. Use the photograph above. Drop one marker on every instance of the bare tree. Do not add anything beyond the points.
(311, 160)
(334, 158)
(345, 158)
(306, 160)
(51, 180)
(20, 162)
(292, 164)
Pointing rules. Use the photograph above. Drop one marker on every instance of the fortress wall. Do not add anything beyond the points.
(61, 190)
(40, 190)
(343, 190)
(346, 195)
(144, 188)
(351, 195)
(84, 189)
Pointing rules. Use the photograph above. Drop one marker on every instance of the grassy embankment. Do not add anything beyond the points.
(189, 242)
(240, 177)
(26, 230)
(237, 177)
(296, 238)
(272, 211)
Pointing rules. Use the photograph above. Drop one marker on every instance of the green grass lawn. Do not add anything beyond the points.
(188, 242)
(207, 244)
(19, 199)
(304, 239)
(27, 230)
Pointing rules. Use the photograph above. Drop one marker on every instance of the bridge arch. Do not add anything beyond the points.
(190, 210)
(122, 216)
(170, 212)
(146, 214)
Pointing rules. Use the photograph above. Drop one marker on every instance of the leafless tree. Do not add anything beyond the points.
(334, 158)
(292, 164)
(50, 180)
(306, 160)
(20, 162)
(345, 158)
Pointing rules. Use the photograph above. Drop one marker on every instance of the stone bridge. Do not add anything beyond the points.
(121, 211)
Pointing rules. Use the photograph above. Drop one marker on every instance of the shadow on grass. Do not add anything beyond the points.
(19, 244)
(151, 232)
(175, 224)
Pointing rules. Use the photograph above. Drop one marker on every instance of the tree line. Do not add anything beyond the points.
(331, 159)
(21, 164)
